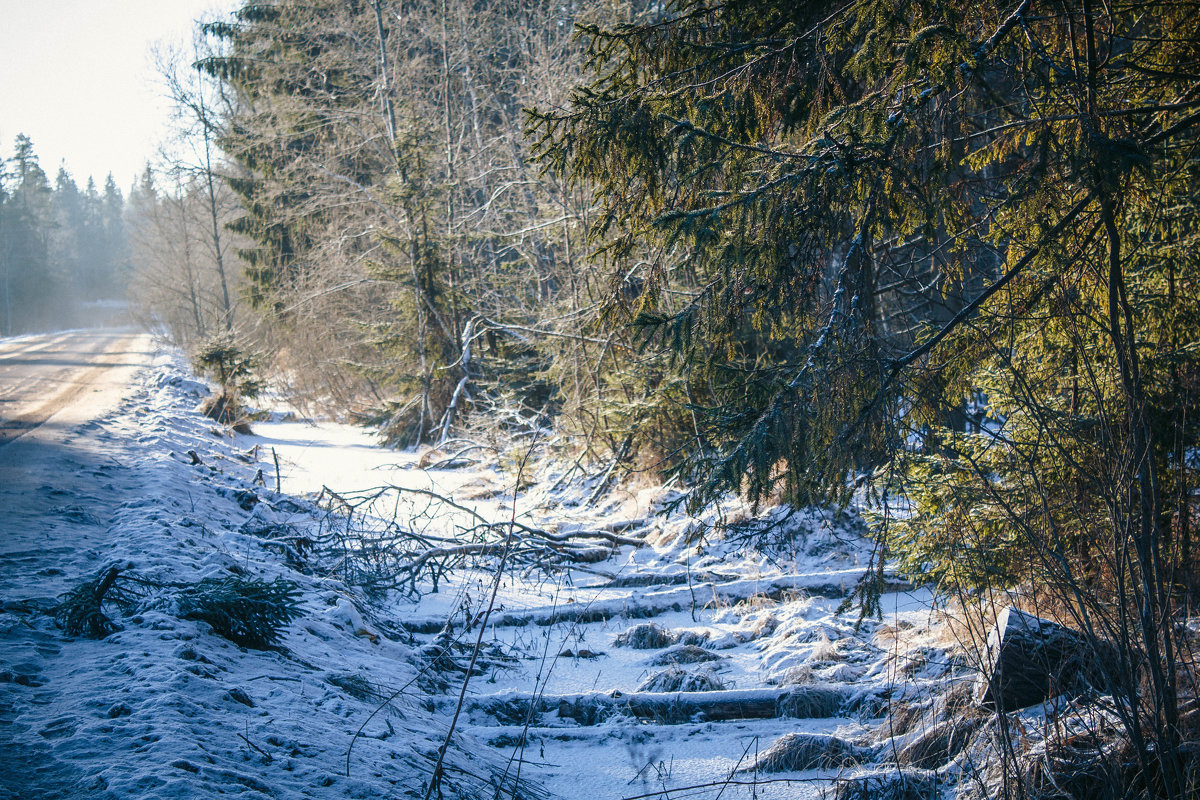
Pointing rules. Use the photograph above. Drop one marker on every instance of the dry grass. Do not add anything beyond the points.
(903, 717)
(1078, 766)
(893, 784)
(479, 490)
(797, 676)
(795, 752)
(811, 702)
(765, 625)
(646, 636)
(684, 654)
(753, 604)
(826, 651)
(674, 679)
(940, 743)
(694, 638)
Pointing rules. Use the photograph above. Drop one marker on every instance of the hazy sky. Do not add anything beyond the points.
(76, 76)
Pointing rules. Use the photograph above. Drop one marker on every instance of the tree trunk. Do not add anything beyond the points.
(226, 307)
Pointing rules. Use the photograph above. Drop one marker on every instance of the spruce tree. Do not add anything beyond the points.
(943, 244)
(27, 279)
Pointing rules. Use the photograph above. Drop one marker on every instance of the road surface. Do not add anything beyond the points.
(52, 387)
(64, 377)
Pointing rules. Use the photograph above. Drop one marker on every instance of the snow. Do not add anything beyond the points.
(165, 707)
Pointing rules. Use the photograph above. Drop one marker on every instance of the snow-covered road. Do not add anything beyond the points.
(54, 492)
(51, 386)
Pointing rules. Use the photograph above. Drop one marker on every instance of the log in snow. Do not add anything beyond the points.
(802, 702)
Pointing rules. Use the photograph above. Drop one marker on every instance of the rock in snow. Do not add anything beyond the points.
(1030, 660)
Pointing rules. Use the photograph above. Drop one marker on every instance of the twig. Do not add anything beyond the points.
(436, 779)
(728, 782)
(733, 771)
(600, 487)
(388, 700)
(266, 755)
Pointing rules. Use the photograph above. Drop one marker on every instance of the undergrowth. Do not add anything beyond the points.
(251, 613)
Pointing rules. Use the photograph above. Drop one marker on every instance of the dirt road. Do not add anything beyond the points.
(51, 387)
(64, 376)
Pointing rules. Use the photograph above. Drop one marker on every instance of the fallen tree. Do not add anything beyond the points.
(806, 702)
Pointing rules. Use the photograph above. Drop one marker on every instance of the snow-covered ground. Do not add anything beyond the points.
(358, 696)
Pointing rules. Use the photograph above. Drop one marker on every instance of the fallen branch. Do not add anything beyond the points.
(81, 610)
(829, 583)
(369, 541)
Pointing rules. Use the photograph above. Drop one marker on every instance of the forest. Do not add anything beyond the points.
(935, 259)
(61, 247)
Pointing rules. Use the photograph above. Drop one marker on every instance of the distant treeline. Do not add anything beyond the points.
(60, 246)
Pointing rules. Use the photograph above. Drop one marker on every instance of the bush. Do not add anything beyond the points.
(811, 702)
(646, 636)
(674, 679)
(684, 654)
(896, 784)
(796, 752)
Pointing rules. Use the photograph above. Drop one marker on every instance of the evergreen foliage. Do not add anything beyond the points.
(883, 237)
(251, 613)
(836, 206)
(59, 247)
(80, 611)
(248, 612)
(943, 245)
(225, 361)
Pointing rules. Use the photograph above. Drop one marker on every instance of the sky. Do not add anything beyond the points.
(77, 77)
